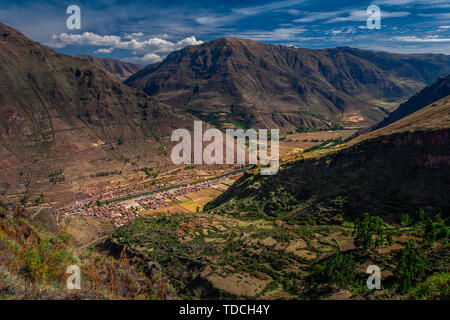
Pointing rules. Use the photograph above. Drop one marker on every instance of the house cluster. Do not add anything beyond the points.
(117, 212)
(120, 212)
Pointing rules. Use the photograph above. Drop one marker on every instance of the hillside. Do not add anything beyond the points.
(431, 117)
(295, 235)
(121, 69)
(400, 168)
(430, 94)
(237, 82)
(62, 119)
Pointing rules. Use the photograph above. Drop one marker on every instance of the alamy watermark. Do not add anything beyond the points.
(74, 20)
(374, 19)
(74, 280)
(374, 280)
(213, 153)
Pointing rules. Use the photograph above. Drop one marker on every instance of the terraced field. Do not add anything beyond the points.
(86, 230)
(220, 256)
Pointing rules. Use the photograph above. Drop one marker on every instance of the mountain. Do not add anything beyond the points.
(431, 117)
(397, 169)
(430, 94)
(63, 119)
(117, 67)
(240, 82)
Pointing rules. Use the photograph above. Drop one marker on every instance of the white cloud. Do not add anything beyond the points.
(243, 12)
(361, 15)
(417, 39)
(346, 15)
(410, 3)
(279, 34)
(215, 20)
(134, 35)
(149, 48)
(86, 38)
(104, 50)
(250, 11)
(437, 16)
(294, 12)
(151, 58)
(152, 45)
(313, 16)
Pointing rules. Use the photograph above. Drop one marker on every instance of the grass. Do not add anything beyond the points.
(33, 265)
(435, 287)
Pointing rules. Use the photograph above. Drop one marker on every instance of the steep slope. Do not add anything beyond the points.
(432, 117)
(392, 171)
(63, 119)
(430, 94)
(235, 81)
(121, 69)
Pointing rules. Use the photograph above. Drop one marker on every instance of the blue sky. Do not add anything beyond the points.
(146, 31)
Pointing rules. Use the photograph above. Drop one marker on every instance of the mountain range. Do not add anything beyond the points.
(72, 117)
(67, 124)
(401, 167)
(237, 82)
(121, 69)
(62, 114)
(430, 94)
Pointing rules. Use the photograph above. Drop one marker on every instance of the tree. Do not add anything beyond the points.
(434, 229)
(369, 232)
(338, 270)
(410, 266)
(389, 239)
(405, 221)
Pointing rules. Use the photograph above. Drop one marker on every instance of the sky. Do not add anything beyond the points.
(145, 32)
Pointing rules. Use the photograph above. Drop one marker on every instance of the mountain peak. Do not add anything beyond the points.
(59, 111)
(253, 84)
(10, 34)
(119, 68)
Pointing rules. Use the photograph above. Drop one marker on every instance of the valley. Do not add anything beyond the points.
(87, 178)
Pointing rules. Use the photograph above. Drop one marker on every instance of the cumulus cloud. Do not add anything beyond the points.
(134, 35)
(135, 44)
(150, 58)
(104, 50)
(148, 51)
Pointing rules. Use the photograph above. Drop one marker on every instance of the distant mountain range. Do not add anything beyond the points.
(121, 69)
(237, 82)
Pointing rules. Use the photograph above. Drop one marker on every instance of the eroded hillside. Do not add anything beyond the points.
(63, 119)
(238, 82)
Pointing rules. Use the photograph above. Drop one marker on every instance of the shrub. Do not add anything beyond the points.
(338, 270)
(39, 258)
(410, 266)
(369, 232)
(436, 287)
(434, 229)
